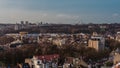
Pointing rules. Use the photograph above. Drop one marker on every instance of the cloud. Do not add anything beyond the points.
(67, 16)
(14, 16)
(115, 15)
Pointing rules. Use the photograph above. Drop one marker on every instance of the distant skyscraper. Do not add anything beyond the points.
(26, 22)
(22, 22)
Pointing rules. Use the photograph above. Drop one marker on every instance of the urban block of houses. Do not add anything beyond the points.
(43, 61)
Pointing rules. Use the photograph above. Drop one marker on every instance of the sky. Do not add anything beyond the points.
(60, 11)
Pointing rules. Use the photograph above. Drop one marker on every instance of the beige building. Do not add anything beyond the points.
(22, 34)
(59, 42)
(118, 36)
(116, 56)
(97, 42)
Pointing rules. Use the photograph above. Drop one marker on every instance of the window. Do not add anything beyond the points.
(38, 62)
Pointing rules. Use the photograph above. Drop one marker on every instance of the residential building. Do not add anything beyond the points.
(59, 42)
(97, 42)
(118, 36)
(23, 34)
(44, 61)
(116, 56)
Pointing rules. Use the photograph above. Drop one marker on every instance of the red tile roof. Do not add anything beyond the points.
(47, 57)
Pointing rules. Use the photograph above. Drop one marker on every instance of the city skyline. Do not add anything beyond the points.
(60, 11)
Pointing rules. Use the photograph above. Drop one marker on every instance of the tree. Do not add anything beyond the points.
(6, 39)
(112, 44)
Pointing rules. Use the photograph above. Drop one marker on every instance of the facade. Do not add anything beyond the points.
(97, 42)
(116, 56)
(118, 36)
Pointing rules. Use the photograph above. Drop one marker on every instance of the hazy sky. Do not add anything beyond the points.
(60, 11)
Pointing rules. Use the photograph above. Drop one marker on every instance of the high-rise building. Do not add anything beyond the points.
(97, 42)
